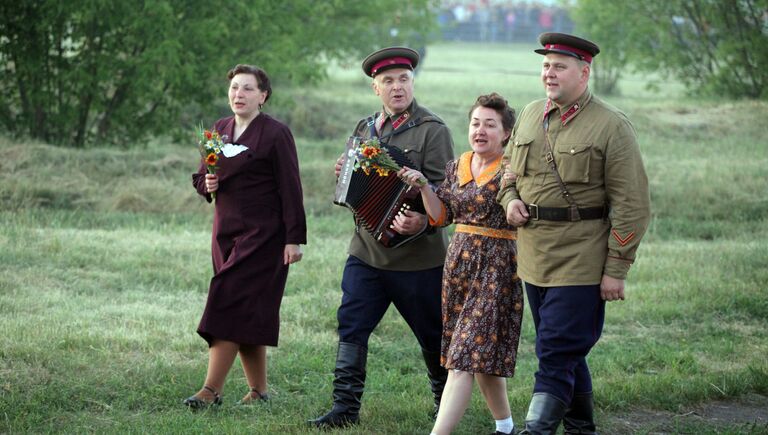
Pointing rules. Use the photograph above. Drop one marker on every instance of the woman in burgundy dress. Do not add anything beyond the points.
(258, 226)
(482, 296)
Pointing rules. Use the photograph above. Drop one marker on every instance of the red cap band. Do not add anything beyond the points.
(585, 56)
(391, 61)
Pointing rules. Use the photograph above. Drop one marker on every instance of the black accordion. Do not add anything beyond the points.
(375, 200)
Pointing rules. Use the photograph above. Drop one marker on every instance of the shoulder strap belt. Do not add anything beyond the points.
(573, 208)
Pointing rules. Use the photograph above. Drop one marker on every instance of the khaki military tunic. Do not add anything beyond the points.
(429, 146)
(598, 158)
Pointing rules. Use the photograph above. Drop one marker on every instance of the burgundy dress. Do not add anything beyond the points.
(258, 211)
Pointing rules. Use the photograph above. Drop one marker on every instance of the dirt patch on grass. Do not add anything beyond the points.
(745, 415)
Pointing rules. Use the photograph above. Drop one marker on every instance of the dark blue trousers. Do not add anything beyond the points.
(568, 322)
(369, 291)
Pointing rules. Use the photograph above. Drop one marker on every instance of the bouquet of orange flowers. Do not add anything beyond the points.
(372, 156)
(209, 143)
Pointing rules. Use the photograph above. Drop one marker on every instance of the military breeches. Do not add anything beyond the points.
(568, 322)
(368, 292)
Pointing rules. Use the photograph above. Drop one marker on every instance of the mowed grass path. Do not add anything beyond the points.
(105, 262)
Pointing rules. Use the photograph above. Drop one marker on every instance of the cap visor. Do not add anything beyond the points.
(563, 52)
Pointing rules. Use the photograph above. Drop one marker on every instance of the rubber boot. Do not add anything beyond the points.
(437, 374)
(544, 415)
(348, 385)
(580, 419)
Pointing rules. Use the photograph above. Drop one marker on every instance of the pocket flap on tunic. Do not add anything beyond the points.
(572, 148)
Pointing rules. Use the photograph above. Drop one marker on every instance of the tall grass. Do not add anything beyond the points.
(106, 260)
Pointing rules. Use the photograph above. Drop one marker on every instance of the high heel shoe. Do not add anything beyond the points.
(196, 403)
(254, 396)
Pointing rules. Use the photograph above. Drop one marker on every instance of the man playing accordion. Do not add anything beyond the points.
(409, 275)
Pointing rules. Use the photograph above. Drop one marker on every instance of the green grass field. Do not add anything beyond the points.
(105, 262)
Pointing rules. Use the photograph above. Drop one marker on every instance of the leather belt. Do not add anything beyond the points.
(564, 214)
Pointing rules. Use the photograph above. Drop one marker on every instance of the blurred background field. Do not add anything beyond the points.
(105, 265)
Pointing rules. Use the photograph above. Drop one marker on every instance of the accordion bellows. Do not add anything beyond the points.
(375, 200)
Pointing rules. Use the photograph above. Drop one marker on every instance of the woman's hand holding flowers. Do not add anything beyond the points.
(413, 177)
(211, 183)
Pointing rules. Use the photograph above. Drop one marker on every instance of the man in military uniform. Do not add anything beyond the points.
(408, 276)
(578, 192)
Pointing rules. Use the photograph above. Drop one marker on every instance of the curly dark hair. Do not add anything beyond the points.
(499, 104)
(262, 79)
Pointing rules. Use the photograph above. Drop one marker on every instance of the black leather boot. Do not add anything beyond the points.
(579, 419)
(437, 374)
(544, 415)
(348, 385)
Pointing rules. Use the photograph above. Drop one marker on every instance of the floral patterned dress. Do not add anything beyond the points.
(482, 294)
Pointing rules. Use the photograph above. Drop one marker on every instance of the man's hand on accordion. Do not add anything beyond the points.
(433, 205)
(339, 162)
(409, 222)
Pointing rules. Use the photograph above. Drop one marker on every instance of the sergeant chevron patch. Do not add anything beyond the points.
(623, 240)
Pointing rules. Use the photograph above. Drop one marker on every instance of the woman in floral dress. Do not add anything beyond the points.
(482, 299)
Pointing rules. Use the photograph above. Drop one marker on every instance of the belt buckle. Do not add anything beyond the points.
(573, 213)
(533, 212)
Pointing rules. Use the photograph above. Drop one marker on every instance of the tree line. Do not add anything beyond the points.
(714, 47)
(83, 72)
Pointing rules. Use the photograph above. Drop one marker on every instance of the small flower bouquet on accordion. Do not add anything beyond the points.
(209, 143)
(372, 156)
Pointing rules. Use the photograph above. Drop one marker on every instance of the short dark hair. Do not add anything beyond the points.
(262, 79)
(499, 104)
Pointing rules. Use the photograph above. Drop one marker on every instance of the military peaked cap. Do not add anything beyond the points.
(568, 45)
(388, 58)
